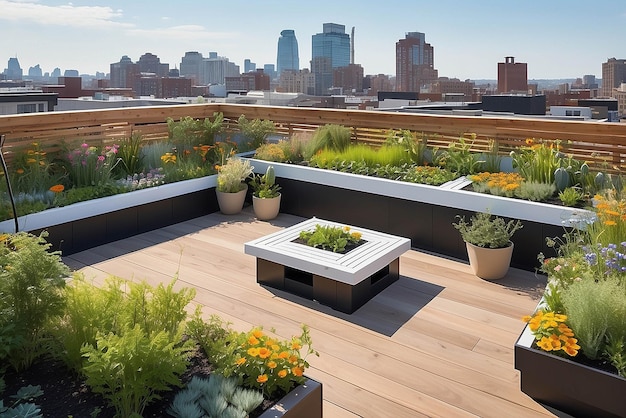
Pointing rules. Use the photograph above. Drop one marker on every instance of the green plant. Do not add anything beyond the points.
(254, 131)
(497, 184)
(129, 153)
(330, 238)
(537, 161)
(33, 173)
(231, 176)
(23, 406)
(571, 196)
(271, 152)
(188, 132)
(534, 191)
(485, 230)
(264, 186)
(32, 279)
(214, 396)
(331, 136)
(492, 158)
(460, 159)
(593, 322)
(130, 369)
(409, 141)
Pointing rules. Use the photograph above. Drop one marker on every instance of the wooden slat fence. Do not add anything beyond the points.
(601, 144)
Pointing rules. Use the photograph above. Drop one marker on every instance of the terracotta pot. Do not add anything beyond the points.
(266, 209)
(231, 203)
(489, 263)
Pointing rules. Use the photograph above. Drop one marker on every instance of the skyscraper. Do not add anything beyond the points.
(415, 62)
(13, 70)
(190, 66)
(613, 75)
(331, 49)
(287, 57)
(512, 76)
(123, 73)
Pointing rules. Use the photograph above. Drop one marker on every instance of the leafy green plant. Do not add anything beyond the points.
(188, 132)
(32, 171)
(491, 160)
(538, 160)
(23, 406)
(231, 176)
(264, 186)
(254, 131)
(460, 159)
(130, 369)
(330, 238)
(214, 396)
(414, 146)
(485, 230)
(32, 279)
(571, 196)
(92, 166)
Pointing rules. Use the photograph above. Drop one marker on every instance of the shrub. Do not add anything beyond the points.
(536, 192)
(32, 279)
(255, 132)
(131, 368)
(129, 153)
(485, 230)
(231, 176)
(334, 137)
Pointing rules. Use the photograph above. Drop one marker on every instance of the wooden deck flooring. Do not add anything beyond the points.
(438, 342)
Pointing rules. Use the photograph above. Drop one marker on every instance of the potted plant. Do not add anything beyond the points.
(266, 195)
(231, 187)
(488, 242)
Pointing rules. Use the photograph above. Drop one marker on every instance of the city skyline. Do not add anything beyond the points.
(558, 39)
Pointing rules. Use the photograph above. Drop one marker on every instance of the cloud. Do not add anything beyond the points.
(64, 15)
(182, 32)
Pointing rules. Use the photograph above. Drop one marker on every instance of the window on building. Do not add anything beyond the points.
(27, 108)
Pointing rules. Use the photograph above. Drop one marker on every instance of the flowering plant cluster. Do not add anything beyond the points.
(498, 184)
(587, 286)
(266, 363)
(552, 333)
(231, 176)
(330, 238)
(90, 166)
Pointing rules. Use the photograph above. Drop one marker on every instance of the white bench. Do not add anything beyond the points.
(342, 281)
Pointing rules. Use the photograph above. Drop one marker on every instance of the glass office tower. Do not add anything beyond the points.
(287, 52)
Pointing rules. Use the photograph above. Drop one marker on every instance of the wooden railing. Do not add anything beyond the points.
(601, 144)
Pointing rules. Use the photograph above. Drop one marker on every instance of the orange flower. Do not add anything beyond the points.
(257, 333)
(297, 371)
(264, 352)
(262, 378)
(253, 340)
(57, 188)
(272, 364)
(282, 373)
(241, 361)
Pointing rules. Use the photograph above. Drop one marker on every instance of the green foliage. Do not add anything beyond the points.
(330, 238)
(537, 161)
(151, 153)
(460, 159)
(33, 173)
(271, 152)
(571, 196)
(23, 406)
(129, 153)
(189, 132)
(414, 146)
(331, 136)
(254, 131)
(131, 368)
(264, 186)
(393, 155)
(485, 230)
(591, 321)
(215, 396)
(107, 309)
(213, 335)
(81, 194)
(91, 166)
(32, 279)
(536, 192)
(492, 159)
(615, 351)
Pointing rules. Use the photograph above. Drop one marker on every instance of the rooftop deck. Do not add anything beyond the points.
(438, 342)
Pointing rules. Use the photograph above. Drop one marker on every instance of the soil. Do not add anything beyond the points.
(65, 394)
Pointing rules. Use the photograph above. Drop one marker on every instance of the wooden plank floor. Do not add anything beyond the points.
(438, 342)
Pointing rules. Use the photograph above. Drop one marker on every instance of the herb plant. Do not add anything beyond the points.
(330, 238)
(485, 230)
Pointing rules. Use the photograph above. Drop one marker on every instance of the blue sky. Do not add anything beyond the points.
(556, 38)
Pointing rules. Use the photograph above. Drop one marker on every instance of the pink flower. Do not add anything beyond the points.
(557, 268)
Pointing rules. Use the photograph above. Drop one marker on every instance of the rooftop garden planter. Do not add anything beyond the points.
(94, 222)
(422, 213)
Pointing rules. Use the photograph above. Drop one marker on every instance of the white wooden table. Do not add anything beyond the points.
(342, 281)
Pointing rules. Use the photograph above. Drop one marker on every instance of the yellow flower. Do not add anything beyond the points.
(264, 352)
(272, 364)
(240, 361)
(295, 345)
(257, 333)
(297, 371)
(262, 378)
(253, 340)
(253, 352)
(282, 373)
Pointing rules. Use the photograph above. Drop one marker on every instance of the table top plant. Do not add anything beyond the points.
(331, 238)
